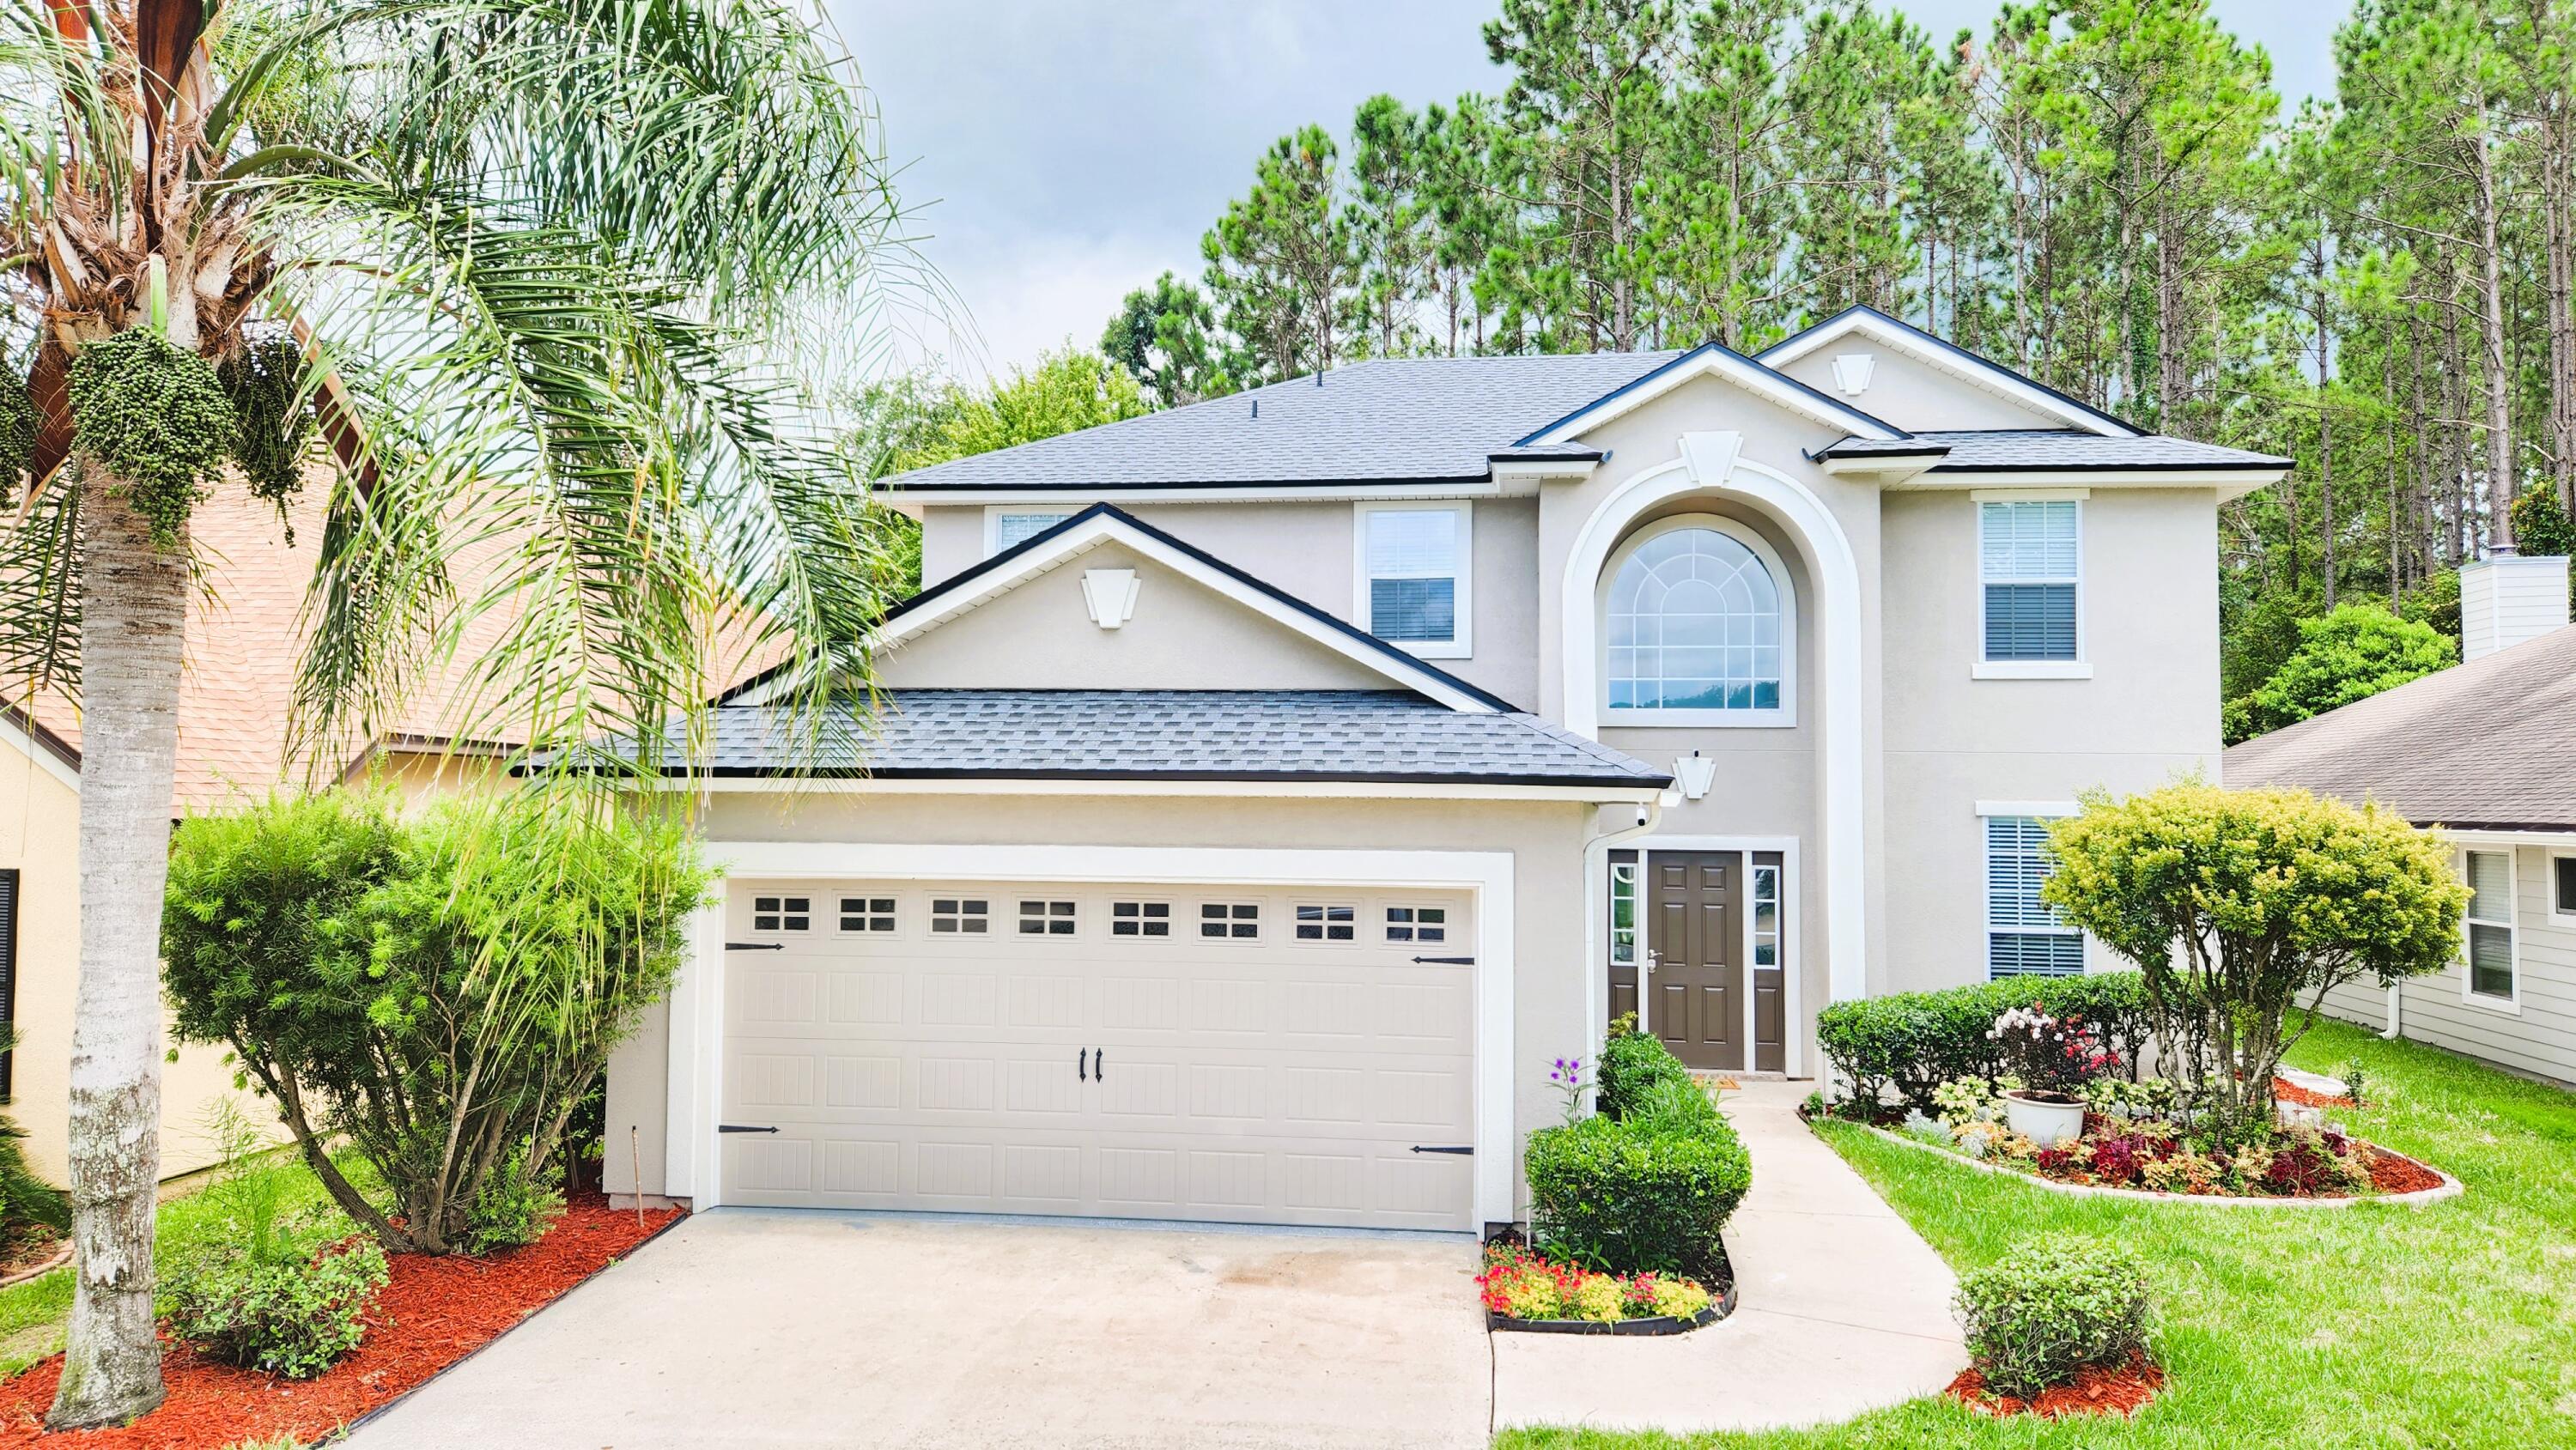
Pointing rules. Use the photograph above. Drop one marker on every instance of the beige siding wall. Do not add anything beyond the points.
(2540, 1038)
(40, 837)
(1545, 841)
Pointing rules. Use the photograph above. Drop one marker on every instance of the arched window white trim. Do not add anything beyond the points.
(1608, 646)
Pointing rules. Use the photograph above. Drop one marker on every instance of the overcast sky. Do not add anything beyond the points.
(1061, 152)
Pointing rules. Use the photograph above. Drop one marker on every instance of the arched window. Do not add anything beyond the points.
(1700, 627)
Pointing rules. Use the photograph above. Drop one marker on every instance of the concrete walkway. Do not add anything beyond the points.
(752, 1327)
(1842, 1309)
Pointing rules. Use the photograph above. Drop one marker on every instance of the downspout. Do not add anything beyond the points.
(1596, 917)
(2396, 1012)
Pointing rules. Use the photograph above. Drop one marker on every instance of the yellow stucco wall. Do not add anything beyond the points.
(40, 837)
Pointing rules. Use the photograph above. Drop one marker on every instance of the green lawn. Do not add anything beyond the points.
(32, 1315)
(2453, 1325)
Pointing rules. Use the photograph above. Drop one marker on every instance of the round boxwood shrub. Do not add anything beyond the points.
(1633, 1064)
(2051, 1306)
(1910, 1043)
(1647, 1191)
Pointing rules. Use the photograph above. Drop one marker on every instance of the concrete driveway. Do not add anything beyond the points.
(753, 1327)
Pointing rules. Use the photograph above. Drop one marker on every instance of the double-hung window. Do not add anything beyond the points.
(2031, 570)
(1416, 566)
(2025, 937)
(2490, 944)
(1006, 528)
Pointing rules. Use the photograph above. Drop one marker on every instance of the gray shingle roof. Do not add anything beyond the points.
(1393, 418)
(2005, 449)
(1380, 735)
(2484, 744)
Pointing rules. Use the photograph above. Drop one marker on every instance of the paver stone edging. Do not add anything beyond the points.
(351, 1427)
(2449, 1187)
(61, 1257)
(1656, 1324)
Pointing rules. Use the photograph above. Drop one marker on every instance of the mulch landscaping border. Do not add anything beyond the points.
(2121, 1390)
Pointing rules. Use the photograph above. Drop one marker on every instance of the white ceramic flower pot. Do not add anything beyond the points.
(2049, 1125)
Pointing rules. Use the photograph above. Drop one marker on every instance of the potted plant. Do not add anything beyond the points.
(2052, 1058)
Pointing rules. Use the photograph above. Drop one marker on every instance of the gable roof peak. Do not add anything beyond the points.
(1939, 352)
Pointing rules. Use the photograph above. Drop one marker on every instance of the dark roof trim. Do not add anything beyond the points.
(1945, 345)
(1388, 481)
(1703, 350)
(34, 729)
(2536, 827)
(1929, 450)
(1385, 777)
(2210, 466)
(1041, 541)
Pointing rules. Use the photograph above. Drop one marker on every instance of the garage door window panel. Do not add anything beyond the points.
(1417, 924)
(874, 914)
(1327, 923)
(1047, 918)
(1140, 918)
(782, 913)
(960, 916)
(1230, 921)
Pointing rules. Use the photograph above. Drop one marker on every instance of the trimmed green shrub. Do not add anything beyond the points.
(515, 1208)
(290, 1317)
(2051, 1306)
(1646, 1191)
(1912, 1042)
(1632, 1064)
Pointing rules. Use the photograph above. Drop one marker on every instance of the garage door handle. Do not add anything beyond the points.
(740, 1128)
(1462, 1148)
(1100, 1064)
(1445, 961)
(755, 946)
(1079, 1059)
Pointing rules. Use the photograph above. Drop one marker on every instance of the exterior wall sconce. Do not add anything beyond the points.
(1695, 773)
(1110, 595)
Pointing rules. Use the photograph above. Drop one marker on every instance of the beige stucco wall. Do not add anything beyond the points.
(1183, 636)
(1914, 395)
(1544, 838)
(1309, 549)
(40, 837)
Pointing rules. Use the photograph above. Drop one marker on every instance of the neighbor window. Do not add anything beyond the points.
(1231, 920)
(1046, 918)
(1414, 568)
(1696, 623)
(2490, 925)
(1417, 923)
(867, 913)
(2031, 566)
(2025, 937)
(2562, 885)
(1327, 923)
(1140, 918)
(954, 915)
(782, 913)
(1015, 526)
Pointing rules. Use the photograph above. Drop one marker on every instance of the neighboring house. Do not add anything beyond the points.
(2486, 751)
(1266, 790)
(240, 653)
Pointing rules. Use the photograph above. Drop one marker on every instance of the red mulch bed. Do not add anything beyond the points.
(2395, 1173)
(434, 1313)
(2290, 1092)
(2096, 1390)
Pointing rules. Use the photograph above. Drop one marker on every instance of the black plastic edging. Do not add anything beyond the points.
(348, 1428)
(1659, 1324)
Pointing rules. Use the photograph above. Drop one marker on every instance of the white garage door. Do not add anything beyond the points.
(1256, 1055)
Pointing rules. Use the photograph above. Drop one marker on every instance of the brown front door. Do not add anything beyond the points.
(1696, 991)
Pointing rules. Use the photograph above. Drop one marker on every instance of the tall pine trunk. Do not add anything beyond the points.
(2499, 383)
(134, 599)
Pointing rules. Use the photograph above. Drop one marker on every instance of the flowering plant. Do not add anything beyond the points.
(1520, 1284)
(1566, 1076)
(2055, 1057)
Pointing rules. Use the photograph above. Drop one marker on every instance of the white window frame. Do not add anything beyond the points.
(1461, 644)
(1631, 873)
(2512, 924)
(993, 520)
(1786, 716)
(2557, 916)
(2078, 668)
(1986, 928)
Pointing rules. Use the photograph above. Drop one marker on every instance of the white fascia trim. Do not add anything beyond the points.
(1462, 602)
(1745, 373)
(2042, 810)
(2555, 839)
(1236, 789)
(696, 1092)
(1532, 470)
(2030, 670)
(1833, 570)
(1967, 367)
(1107, 529)
(1889, 471)
(1075, 501)
(2029, 495)
(2231, 483)
(1792, 963)
(49, 762)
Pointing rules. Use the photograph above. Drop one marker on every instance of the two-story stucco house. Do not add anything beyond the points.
(1267, 790)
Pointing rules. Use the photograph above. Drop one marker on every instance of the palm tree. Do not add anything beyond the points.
(520, 265)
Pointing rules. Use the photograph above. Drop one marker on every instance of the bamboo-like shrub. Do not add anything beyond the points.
(437, 992)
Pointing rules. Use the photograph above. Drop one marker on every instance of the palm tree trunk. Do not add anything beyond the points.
(134, 600)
